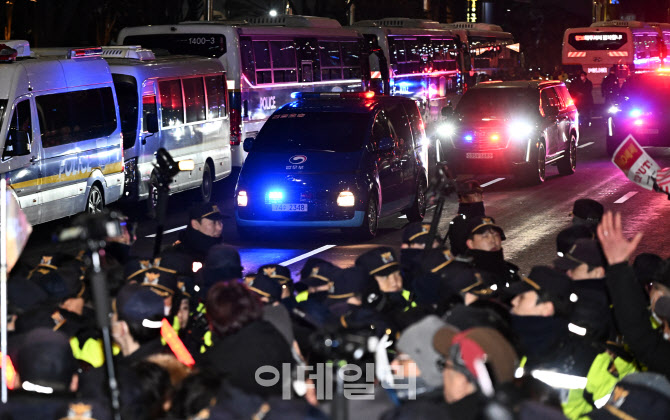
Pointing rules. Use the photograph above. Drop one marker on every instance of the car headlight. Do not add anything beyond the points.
(446, 129)
(520, 129)
(635, 112)
(613, 109)
(346, 199)
(242, 199)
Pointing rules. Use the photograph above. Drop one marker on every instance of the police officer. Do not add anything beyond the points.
(202, 233)
(470, 205)
(610, 86)
(484, 243)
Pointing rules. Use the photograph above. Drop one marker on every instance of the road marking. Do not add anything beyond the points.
(625, 197)
(167, 231)
(307, 255)
(581, 146)
(492, 182)
(404, 216)
(598, 117)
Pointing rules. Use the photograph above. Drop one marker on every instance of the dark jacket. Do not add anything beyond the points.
(632, 318)
(191, 247)
(239, 355)
(428, 406)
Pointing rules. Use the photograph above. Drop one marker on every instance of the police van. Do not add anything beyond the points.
(62, 145)
(175, 102)
(334, 160)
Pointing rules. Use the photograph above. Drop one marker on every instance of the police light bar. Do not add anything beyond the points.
(324, 95)
(84, 52)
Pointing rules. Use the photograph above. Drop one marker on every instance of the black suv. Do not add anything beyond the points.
(641, 110)
(513, 127)
(334, 160)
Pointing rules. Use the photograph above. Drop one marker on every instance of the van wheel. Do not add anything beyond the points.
(207, 184)
(418, 209)
(568, 163)
(95, 202)
(368, 229)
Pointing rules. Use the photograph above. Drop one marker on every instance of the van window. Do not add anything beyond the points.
(76, 116)
(21, 121)
(126, 94)
(149, 110)
(216, 96)
(194, 92)
(172, 103)
(401, 126)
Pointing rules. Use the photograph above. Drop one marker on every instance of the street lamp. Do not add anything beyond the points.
(273, 13)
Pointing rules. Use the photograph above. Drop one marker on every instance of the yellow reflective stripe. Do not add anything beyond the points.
(302, 296)
(110, 168)
(175, 324)
(406, 294)
(92, 351)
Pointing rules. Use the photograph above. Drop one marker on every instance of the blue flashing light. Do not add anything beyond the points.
(275, 196)
(635, 113)
(468, 138)
(295, 95)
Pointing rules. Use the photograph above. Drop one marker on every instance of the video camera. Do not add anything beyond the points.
(344, 345)
(93, 227)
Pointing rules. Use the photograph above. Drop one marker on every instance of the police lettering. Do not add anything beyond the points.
(268, 102)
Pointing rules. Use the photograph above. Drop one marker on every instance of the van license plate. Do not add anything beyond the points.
(289, 207)
(479, 155)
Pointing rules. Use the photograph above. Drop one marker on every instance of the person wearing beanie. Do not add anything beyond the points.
(420, 388)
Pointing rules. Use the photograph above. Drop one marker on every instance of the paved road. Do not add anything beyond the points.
(531, 216)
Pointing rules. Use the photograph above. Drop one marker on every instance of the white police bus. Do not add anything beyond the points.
(266, 59)
(62, 145)
(175, 102)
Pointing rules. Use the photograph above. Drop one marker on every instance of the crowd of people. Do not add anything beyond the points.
(444, 328)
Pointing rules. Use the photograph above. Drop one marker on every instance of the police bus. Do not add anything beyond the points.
(414, 58)
(490, 49)
(266, 59)
(630, 45)
(172, 102)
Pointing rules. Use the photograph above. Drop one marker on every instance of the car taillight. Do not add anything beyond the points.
(235, 127)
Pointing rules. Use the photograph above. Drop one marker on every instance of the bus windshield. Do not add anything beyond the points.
(498, 102)
(315, 131)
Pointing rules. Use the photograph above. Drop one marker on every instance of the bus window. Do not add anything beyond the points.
(262, 60)
(283, 61)
(331, 67)
(216, 96)
(205, 45)
(194, 93)
(149, 110)
(351, 60)
(397, 50)
(172, 104)
(247, 56)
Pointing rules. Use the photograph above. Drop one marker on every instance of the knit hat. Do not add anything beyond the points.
(416, 341)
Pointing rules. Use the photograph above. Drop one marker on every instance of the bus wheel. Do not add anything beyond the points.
(95, 202)
(207, 184)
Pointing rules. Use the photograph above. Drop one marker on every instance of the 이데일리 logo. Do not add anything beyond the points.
(297, 159)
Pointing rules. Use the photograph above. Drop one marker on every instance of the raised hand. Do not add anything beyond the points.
(616, 247)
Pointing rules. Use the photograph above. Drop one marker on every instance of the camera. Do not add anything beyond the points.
(93, 227)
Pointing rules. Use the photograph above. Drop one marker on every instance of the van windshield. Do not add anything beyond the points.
(498, 102)
(320, 131)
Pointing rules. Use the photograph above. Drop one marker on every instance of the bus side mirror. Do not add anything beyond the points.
(248, 144)
(152, 122)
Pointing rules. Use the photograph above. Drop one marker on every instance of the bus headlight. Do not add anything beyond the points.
(520, 129)
(346, 199)
(242, 199)
(446, 129)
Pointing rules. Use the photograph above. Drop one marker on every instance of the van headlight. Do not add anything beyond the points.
(346, 199)
(520, 129)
